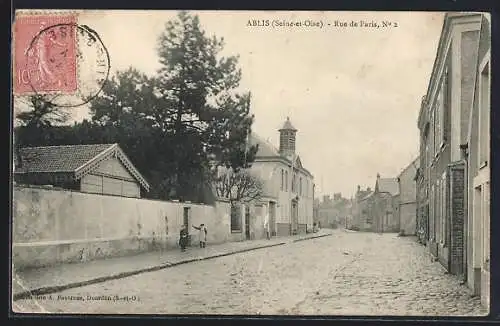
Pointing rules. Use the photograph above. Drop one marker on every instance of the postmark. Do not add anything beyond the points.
(57, 58)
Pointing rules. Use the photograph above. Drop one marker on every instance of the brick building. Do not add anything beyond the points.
(450, 121)
(408, 199)
(476, 152)
(97, 168)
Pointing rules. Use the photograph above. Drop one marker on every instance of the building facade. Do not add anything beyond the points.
(477, 155)
(385, 211)
(361, 211)
(453, 177)
(288, 191)
(408, 199)
(333, 212)
(98, 168)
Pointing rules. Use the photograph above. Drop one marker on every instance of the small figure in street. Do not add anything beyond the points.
(183, 238)
(202, 234)
(266, 228)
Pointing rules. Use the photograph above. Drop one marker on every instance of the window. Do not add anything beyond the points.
(282, 179)
(432, 231)
(441, 113)
(432, 132)
(446, 105)
(484, 115)
(437, 124)
(286, 180)
(437, 210)
(300, 187)
(294, 186)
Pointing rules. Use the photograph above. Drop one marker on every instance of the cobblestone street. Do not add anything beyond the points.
(349, 273)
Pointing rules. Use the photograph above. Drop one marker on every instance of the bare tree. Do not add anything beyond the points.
(239, 186)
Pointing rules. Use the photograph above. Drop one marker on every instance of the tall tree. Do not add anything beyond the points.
(187, 116)
(199, 89)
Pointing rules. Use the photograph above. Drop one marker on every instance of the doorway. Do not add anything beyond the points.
(295, 217)
(186, 220)
(247, 222)
(272, 218)
(477, 249)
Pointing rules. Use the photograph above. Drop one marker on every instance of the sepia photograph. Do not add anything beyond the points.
(290, 163)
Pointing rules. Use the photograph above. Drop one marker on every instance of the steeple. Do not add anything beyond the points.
(287, 138)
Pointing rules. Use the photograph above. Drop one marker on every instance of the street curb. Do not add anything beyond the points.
(310, 238)
(59, 288)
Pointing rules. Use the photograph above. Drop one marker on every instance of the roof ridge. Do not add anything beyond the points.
(49, 146)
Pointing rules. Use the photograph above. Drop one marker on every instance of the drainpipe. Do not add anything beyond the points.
(465, 156)
(290, 194)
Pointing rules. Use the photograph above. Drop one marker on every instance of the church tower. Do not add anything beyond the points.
(287, 138)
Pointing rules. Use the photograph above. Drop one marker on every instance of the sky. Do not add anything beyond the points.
(353, 93)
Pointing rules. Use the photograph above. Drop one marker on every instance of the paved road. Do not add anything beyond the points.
(344, 274)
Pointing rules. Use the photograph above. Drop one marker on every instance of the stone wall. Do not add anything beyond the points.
(53, 226)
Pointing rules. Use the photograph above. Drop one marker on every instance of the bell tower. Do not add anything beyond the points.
(287, 138)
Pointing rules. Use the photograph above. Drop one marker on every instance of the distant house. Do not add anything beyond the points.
(408, 198)
(99, 169)
(386, 205)
(361, 211)
(333, 212)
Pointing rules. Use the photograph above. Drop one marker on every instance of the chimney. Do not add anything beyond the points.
(378, 176)
(368, 189)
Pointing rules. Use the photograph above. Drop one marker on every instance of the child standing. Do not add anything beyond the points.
(202, 234)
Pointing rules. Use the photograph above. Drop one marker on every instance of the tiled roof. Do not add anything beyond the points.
(76, 159)
(366, 195)
(389, 185)
(66, 158)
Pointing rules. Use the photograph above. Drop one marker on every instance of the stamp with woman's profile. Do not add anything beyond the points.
(56, 57)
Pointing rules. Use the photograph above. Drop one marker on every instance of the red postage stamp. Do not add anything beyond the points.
(44, 58)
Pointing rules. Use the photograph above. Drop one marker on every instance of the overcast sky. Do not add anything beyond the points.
(353, 93)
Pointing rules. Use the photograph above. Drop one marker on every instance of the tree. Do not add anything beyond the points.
(240, 186)
(173, 125)
(44, 113)
(188, 115)
(36, 124)
(198, 89)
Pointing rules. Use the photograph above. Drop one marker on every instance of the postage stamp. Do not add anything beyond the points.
(45, 54)
(59, 59)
